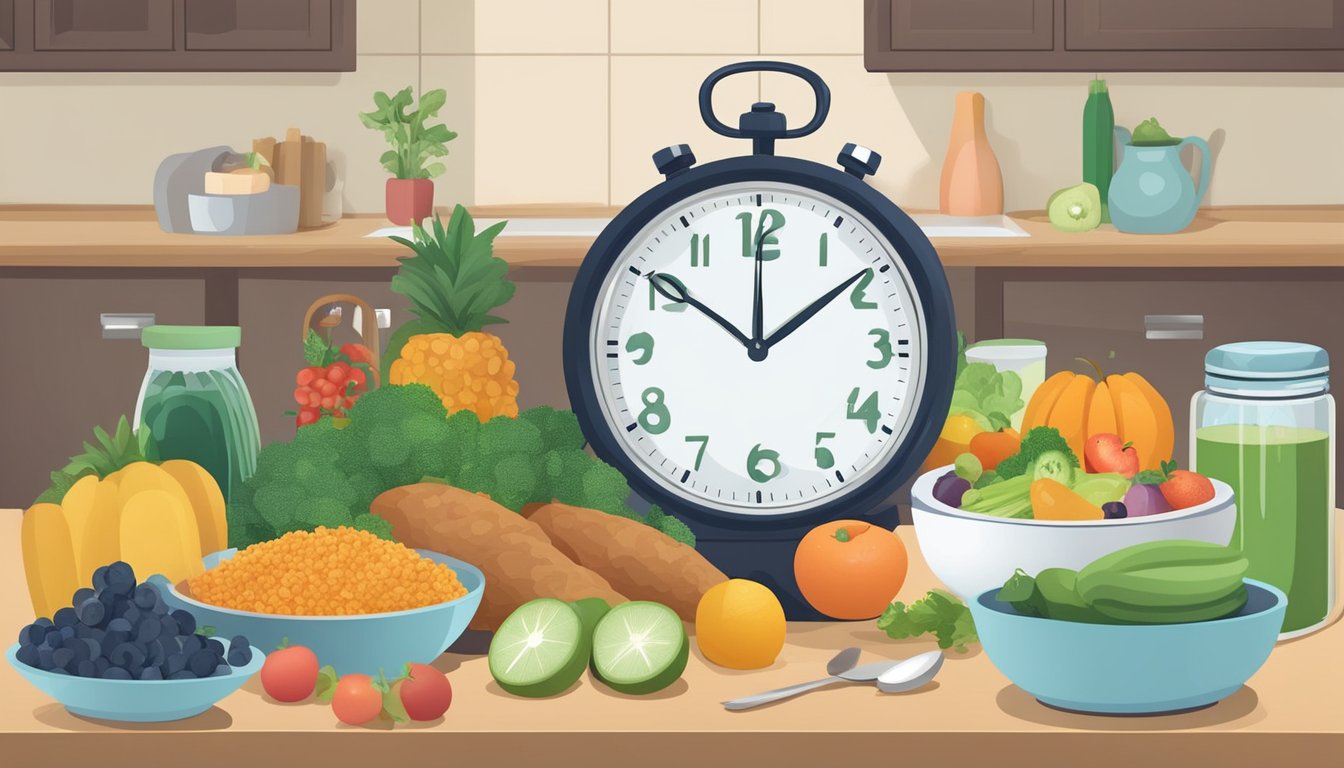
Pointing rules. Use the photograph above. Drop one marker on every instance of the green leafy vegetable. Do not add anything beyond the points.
(1150, 134)
(107, 455)
(1008, 494)
(938, 613)
(413, 143)
(984, 393)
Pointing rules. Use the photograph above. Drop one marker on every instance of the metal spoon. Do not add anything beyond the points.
(841, 669)
(914, 672)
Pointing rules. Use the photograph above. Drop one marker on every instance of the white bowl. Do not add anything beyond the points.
(971, 553)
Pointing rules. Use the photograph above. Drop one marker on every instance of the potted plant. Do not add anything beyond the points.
(410, 193)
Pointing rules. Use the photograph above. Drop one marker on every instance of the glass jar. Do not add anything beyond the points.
(1264, 425)
(195, 404)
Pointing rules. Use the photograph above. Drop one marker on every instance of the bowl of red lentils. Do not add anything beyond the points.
(361, 603)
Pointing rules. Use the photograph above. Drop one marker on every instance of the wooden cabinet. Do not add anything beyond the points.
(62, 377)
(1103, 35)
(177, 35)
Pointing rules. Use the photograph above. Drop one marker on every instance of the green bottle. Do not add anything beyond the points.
(1099, 142)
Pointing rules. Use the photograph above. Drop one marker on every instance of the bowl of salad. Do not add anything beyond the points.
(1040, 508)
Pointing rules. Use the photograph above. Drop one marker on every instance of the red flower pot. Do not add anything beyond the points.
(409, 200)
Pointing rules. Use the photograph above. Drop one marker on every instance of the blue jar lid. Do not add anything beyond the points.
(1267, 368)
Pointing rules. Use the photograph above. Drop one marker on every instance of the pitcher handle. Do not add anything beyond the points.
(1123, 135)
(1202, 188)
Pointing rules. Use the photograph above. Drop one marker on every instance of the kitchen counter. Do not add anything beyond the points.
(129, 236)
(1291, 712)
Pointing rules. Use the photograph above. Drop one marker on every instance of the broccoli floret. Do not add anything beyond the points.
(515, 481)
(374, 524)
(1035, 443)
(559, 429)
(503, 435)
(676, 530)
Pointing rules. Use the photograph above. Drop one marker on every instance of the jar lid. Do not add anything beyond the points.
(191, 336)
(1267, 367)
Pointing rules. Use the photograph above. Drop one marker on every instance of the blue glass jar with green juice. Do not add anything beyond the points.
(1265, 425)
(195, 404)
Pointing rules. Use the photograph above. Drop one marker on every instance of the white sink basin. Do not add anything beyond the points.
(933, 224)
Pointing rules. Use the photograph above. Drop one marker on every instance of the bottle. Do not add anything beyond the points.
(972, 184)
(1265, 425)
(1099, 142)
(195, 404)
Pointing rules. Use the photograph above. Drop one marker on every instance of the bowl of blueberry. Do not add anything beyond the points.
(118, 652)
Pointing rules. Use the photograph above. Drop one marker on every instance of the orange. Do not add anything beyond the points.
(849, 569)
(739, 624)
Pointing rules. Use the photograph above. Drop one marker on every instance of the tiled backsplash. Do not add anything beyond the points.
(564, 101)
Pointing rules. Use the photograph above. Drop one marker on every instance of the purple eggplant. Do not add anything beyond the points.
(1143, 500)
(950, 488)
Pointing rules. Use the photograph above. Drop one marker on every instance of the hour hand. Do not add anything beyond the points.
(796, 322)
(672, 288)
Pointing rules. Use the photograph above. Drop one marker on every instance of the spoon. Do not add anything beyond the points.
(914, 672)
(841, 670)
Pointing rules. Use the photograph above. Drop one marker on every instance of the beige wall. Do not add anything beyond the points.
(564, 101)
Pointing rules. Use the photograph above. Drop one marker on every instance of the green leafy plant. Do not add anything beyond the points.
(109, 454)
(938, 613)
(402, 123)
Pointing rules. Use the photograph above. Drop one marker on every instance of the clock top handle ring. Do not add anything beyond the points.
(763, 125)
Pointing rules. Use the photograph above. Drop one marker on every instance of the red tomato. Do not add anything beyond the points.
(425, 693)
(301, 395)
(337, 372)
(326, 387)
(356, 700)
(358, 378)
(328, 403)
(307, 415)
(358, 353)
(314, 399)
(306, 375)
(290, 674)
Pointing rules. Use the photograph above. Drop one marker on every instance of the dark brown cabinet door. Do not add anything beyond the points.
(103, 25)
(258, 25)
(972, 25)
(6, 25)
(1203, 25)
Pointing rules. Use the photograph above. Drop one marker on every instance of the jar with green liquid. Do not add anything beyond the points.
(1264, 425)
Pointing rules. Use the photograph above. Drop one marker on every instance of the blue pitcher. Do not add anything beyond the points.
(1152, 193)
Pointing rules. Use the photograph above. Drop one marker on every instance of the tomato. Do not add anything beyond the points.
(356, 700)
(425, 692)
(337, 372)
(301, 395)
(848, 569)
(358, 378)
(290, 674)
(325, 386)
(306, 375)
(307, 415)
(314, 399)
(358, 353)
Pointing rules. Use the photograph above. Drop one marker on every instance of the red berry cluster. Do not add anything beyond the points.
(332, 389)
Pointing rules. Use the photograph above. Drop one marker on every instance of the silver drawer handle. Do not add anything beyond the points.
(1173, 327)
(124, 325)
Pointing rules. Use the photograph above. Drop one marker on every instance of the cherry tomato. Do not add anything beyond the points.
(328, 403)
(301, 395)
(358, 377)
(425, 693)
(358, 353)
(337, 372)
(326, 387)
(314, 399)
(306, 375)
(356, 700)
(290, 674)
(307, 415)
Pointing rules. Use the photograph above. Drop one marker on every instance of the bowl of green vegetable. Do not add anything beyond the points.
(976, 544)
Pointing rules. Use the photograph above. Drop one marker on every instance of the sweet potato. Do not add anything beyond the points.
(640, 562)
(518, 560)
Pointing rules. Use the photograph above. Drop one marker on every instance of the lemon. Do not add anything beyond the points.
(739, 624)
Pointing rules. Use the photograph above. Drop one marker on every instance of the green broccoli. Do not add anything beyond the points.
(1035, 443)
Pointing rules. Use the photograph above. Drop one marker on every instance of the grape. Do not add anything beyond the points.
(116, 673)
(32, 634)
(62, 657)
(100, 665)
(95, 648)
(202, 663)
(151, 673)
(119, 625)
(185, 621)
(176, 663)
(83, 630)
(52, 638)
(950, 488)
(100, 578)
(92, 611)
(86, 668)
(65, 617)
(191, 644)
(240, 655)
(146, 595)
(58, 671)
(121, 573)
(66, 633)
(1114, 510)
(28, 654)
(44, 658)
(170, 628)
(215, 646)
(182, 674)
(82, 594)
(149, 630)
(127, 655)
(78, 648)
(221, 671)
(968, 466)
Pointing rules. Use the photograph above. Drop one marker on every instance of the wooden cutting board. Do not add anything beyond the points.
(301, 162)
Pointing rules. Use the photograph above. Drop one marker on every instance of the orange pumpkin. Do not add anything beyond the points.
(1122, 404)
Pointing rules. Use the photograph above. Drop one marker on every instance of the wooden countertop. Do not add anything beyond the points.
(1290, 713)
(128, 236)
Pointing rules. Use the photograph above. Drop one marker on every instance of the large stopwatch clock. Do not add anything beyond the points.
(762, 343)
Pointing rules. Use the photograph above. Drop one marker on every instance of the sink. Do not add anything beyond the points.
(933, 224)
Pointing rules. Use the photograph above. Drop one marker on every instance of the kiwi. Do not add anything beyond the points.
(541, 649)
(1075, 209)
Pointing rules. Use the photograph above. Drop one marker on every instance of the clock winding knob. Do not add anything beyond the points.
(672, 160)
(859, 161)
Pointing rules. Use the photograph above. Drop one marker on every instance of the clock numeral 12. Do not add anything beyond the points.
(763, 231)
(699, 246)
(655, 418)
(759, 455)
(868, 413)
(703, 440)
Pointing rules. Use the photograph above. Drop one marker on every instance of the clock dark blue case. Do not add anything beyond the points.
(761, 547)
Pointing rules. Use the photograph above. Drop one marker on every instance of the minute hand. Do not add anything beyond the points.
(671, 288)
(795, 322)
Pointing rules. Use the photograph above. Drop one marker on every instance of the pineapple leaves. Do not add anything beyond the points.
(454, 280)
(107, 454)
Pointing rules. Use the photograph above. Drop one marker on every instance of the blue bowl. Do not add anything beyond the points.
(364, 643)
(1130, 669)
(135, 701)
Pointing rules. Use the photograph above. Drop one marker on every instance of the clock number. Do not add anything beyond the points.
(825, 459)
(654, 418)
(883, 347)
(703, 440)
(868, 413)
(699, 246)
(670, 306)
(766, 233)
(761, 455)
(821, 249)
(642, 343)
(856, 296)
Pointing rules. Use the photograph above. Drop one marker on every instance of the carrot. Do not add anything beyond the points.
(992, 447)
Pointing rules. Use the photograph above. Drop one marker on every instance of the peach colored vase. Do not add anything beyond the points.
(972, 184)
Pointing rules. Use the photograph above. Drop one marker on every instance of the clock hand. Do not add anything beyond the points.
(796, 322)
(671, 288)
(757, 349)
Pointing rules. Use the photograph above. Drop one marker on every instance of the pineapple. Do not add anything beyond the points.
(454, 282)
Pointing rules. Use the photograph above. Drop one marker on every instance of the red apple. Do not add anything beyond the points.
(1104, 452)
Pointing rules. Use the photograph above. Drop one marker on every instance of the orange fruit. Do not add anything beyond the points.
(849, 569)
(739, 624)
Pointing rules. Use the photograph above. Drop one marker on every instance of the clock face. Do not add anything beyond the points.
(768, 417)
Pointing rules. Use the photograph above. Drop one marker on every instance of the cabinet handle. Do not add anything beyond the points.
(1173, 327)
(124, 325)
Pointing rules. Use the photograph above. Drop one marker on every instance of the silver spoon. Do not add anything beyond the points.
(841, 670)
(914, 672)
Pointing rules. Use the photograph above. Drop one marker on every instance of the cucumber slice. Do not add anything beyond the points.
(541, 649)
(640, 647)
